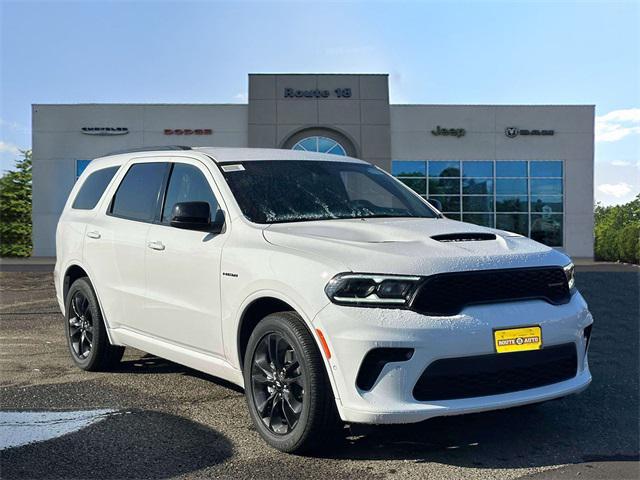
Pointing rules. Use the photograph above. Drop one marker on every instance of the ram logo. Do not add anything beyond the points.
(511, 132)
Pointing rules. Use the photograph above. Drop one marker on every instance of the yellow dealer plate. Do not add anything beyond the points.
(518, 339)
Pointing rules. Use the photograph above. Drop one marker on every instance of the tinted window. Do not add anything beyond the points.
(444, 169)
(93, 187)
(546, 169)
(187, 184)
(409, 169)
(511, 169)
(477, 169)
(137, 195)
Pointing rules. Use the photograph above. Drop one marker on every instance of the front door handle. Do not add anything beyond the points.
(157, 245)
(93, 234)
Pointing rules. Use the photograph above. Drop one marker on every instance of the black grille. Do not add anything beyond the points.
(478, 376)
(449, 293)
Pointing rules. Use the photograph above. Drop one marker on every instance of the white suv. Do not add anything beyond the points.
(319, 283)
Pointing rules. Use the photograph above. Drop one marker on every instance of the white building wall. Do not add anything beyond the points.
(485, 139)
(58, 142)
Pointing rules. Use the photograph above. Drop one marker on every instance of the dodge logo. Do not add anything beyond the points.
(511, 132)
(188, 131)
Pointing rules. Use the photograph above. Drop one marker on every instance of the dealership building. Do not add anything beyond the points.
(522, 168)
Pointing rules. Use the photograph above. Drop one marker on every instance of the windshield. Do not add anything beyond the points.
(277, 191)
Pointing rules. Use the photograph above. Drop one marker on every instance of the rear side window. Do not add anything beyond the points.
(137, 195)
(92, 189)
(188, 184)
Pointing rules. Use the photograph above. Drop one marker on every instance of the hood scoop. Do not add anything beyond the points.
(464, 237)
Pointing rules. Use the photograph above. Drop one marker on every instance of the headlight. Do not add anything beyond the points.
(569, 271)
(371, 289)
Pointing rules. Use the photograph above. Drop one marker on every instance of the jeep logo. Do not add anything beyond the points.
(513, 132)
(452, 132)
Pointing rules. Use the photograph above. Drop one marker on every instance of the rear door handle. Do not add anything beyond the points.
(93, 234)
(157, 245)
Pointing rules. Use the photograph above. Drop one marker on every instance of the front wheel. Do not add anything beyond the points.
(286, 386)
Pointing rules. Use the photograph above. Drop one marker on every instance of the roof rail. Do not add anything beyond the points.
(149, 149)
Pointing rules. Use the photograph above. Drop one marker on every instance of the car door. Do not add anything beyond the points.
(183, 266)
(115, 243)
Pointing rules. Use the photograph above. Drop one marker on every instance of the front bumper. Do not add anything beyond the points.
(351, 332)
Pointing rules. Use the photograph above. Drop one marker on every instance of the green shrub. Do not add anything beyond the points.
(15, 209)
(617, 232)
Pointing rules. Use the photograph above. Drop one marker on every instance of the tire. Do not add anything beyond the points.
(298, 401)
(85, 331)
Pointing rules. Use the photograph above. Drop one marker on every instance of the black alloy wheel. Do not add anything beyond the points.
(80, 326)
(86, 333)
(278, 383)
(287, 388)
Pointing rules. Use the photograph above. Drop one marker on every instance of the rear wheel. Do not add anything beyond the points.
(286, 386)
(85, 330)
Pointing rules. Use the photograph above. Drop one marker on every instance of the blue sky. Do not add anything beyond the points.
(445, 52)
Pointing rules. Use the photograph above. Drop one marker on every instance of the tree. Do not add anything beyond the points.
(15, 209)
(617, 232)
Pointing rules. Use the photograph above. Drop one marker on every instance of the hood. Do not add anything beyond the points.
(412, 246)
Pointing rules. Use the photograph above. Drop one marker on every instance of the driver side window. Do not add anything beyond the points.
(187, 184)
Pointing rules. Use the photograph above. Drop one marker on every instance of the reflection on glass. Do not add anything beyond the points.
(449, 204)
(408, 169)
(484, 219)
(444, 169)
(477, 186)
(546, 169)
(477, 169)
(546, 186)
(510, 186)
(512, 203)
(444, 186)
(513, 222)
(547, 228)
(452, 216)
(477, 204)
(418, 185)
(320, 144)
(527, 195)
(511, 169)
(542, 204)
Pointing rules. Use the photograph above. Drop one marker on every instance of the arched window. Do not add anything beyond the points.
(320, 144)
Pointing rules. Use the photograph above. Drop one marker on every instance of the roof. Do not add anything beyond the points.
(221, 155)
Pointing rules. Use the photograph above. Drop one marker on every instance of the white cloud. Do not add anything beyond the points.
(617, 190)
(9, 148)
(241, 97)
(616, 125)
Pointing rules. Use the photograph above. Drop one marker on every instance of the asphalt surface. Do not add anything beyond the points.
(167, 421)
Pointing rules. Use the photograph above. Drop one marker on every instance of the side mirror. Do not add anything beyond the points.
(435, 203)
(194, 216)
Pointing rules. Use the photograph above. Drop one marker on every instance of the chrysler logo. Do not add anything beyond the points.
(513, 132)
(105, 130)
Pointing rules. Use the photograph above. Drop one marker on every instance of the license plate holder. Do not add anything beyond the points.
(519, 339)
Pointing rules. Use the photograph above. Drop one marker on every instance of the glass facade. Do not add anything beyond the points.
(80, 166)
(522, 196)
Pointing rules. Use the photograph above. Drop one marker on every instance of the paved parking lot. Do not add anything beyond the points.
(160, 420)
